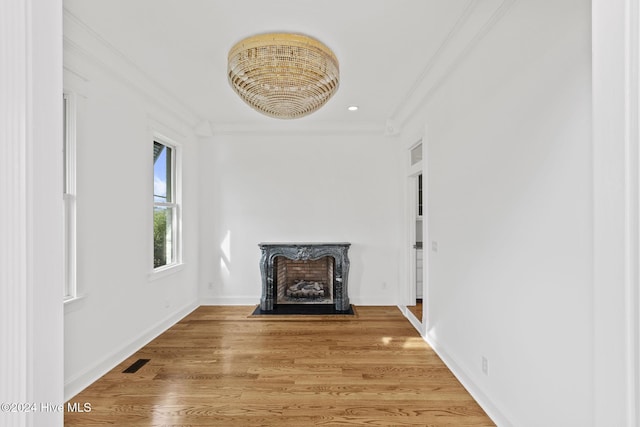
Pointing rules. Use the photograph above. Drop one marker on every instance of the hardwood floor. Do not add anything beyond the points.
(416, 309)
(218, 366)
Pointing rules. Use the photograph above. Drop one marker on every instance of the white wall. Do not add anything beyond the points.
(122, 308)
(510, 205)
(299, 188)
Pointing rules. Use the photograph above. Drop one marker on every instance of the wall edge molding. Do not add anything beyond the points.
(15, 226)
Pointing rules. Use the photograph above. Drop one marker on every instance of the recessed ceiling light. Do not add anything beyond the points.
(352, 108)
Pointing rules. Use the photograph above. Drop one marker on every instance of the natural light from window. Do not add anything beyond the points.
(165, 207)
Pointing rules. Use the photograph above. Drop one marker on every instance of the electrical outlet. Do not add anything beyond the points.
(210, 285)
(434, 246)
(485, 365)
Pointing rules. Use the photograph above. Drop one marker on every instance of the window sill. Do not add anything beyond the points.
(165, 271)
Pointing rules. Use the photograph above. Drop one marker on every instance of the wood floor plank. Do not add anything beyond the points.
(220, 366)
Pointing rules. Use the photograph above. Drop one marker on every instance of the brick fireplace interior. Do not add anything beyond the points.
(304, 281)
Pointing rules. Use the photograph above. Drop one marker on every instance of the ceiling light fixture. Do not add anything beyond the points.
(352, 108)
(283, 75)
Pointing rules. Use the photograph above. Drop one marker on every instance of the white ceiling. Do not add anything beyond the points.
(391, 52)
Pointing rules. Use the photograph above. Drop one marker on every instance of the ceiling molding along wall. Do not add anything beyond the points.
(83, 42)
(434, 59)
(391, 128)
(474, 23)
(203, 129)
(298, 128)
(78, 74)
(80, 41)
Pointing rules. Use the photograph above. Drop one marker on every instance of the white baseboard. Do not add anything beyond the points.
(371, 300)
(256, 301)
(82, 380)
(412, 319)
(229, 301)
(496, 415)
(480, 397)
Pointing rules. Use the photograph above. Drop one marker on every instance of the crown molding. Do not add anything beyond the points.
(439, 52)
(203, 129)
(297, 128)
(477, 19)
(81, 41)
(392, 128)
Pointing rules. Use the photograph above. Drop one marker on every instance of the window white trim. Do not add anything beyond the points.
(415, 165)
(176, 204)
(69, 196)
(166, 270)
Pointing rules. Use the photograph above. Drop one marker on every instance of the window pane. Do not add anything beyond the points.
(420, 194)
(68, 196)
(69, 246)
(65, 118)
(162, 236)
(165, 232)
(162, 161)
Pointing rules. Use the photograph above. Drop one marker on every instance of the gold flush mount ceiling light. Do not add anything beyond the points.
(283, 75)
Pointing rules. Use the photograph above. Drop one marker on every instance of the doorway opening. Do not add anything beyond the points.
(419, 253)
(417, 249)
(415, 204)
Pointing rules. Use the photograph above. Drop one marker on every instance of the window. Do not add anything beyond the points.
(166, 207)
(420, 195)
(69, 194)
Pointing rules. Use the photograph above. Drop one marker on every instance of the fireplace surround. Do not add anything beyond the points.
(304, 273)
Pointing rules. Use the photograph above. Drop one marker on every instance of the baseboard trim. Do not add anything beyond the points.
(412, 319)
(229, 301)
(496, 415)
(82, 380)
(256, 300)
(372, 301)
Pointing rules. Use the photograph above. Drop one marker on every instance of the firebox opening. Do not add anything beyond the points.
(304, 281)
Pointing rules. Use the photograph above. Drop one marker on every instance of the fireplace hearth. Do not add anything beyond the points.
(305, 277)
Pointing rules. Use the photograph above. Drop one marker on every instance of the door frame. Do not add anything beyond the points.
(411, 202)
